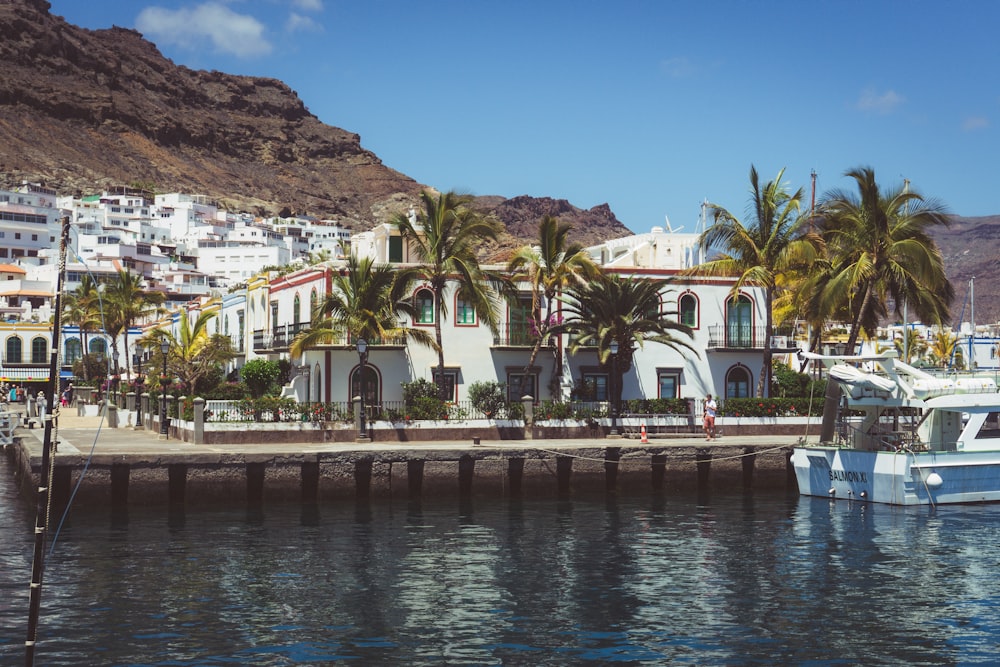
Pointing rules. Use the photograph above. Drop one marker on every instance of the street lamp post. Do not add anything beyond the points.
(164, 380)
(113, 384)
(363, 360)
(137, 362)
(613, 347)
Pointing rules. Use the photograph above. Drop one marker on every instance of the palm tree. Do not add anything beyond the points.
(194, 354)
(879, 248)
(944, 350)
(445, 236)
(913, 344)
(126, 301)
(771, 245)
(621, 309)
(82, 307)
(550, 267)
(366, 301)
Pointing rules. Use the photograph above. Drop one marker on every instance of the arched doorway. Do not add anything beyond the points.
(738, 382)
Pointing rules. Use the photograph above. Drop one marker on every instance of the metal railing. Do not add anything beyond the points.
(744, 337)
(515, 335)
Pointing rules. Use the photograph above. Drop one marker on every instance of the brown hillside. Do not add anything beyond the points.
(82, 109)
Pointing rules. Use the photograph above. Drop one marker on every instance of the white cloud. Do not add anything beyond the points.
(973, 123)
(882, 103)
(678, 67)
(297, 22)
(228, 32)
(308, 5)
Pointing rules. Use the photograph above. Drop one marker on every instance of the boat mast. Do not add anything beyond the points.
(972, 317)
(45, 476)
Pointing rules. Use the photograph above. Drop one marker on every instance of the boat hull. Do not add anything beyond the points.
(898, 478)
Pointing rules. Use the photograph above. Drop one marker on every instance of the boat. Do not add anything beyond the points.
(904, 436)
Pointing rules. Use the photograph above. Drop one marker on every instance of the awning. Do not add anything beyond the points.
(67, 375)
(24, 375)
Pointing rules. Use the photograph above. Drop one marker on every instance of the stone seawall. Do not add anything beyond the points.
(545, 468)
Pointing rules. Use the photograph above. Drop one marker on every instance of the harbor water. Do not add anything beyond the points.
(761, 579)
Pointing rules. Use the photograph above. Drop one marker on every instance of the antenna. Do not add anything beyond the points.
(703, 218)
(670, 228)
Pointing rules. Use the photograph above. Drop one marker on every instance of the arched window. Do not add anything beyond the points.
(296, 309)
(687, 306)
(13, 352)
(74, 350)
(738, 382)
(654, 310)
(39, 350)
(373, 390)
(465, 313)
(739, 322)
(424, 302)
(98, 347)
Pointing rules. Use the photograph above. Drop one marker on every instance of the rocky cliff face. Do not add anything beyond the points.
(969, 247)
(82, 109)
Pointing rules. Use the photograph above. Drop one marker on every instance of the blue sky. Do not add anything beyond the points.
(651, 107)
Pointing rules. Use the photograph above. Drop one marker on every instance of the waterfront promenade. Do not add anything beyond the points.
(125, 465)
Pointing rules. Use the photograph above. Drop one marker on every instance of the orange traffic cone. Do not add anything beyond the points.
(642, 433)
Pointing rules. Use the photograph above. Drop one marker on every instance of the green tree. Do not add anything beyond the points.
(550, 267)
(445, 236)
(944, 350)
(770, 245)
(366, 301)
(622, 309)
(127, 301)
(194, 354)
(915, 346)
(82, 307)
(260, 375)
(880, 248)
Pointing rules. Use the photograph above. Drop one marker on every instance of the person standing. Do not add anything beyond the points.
(711, 407)
(42, 405)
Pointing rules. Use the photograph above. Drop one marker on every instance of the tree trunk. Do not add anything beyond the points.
(437, 336)
(832, 400)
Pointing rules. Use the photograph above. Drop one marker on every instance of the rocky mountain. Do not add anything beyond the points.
(85, 109)
(970, 250)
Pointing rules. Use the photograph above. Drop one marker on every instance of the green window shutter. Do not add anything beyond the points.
(395, 248)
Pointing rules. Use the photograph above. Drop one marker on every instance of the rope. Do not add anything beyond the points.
(638, 456)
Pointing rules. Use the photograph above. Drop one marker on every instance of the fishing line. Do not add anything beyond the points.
(100, 424)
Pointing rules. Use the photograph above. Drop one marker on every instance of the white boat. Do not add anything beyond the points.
(905, 437)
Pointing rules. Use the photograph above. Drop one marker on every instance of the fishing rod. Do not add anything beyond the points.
(45, 477)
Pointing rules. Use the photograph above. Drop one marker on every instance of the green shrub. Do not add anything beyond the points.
(260, 376)
(227, 391)
(421, 400)
(489, 398)
(772, 407)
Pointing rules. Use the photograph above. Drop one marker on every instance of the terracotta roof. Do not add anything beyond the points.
(11, 268)
(26, 292)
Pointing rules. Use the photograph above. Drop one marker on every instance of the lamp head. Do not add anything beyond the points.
(362, 346)
(164, 346)
(613, 347)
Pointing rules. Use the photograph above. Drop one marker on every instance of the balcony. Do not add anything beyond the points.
(282, 337)
(25, 361)
(736, 337)
(520, 334)
(278, 338)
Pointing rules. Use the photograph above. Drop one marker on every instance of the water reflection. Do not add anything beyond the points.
(726, 579)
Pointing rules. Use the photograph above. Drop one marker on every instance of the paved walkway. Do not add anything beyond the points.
(81, 435)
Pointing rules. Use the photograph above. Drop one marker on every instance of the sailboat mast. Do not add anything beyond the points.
(45, 476)
(972, 318)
